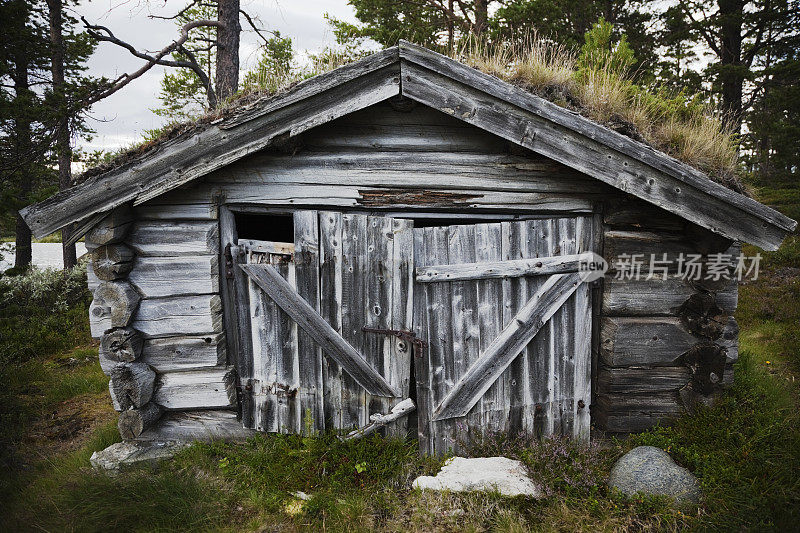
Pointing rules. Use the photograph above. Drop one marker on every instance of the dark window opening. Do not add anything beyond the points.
(274, 228)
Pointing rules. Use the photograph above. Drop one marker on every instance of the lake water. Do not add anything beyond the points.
(45, 255)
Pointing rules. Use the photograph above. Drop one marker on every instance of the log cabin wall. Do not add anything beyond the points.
(665, 345)
(403, 160)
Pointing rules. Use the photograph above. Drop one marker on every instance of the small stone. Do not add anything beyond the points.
(134, 453)
(501, 474)
(650, 470)
(300, 495)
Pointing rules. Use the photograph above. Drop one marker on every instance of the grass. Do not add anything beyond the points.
(745, 451)
(606, 93)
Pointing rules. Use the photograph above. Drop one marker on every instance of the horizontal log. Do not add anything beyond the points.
(642, 380)
(174, 238)
(133, 422)
(131, 385)
(158, 277)
(113, 306)
(196, 389)
(628, 213)
(644, 341)
(121, 345)
(163, 208)
(197, 425)
(111, 261)
(632, 413)
(499, 269)
(184, 353)
(659, 297)
(111, 229)
(179, 316)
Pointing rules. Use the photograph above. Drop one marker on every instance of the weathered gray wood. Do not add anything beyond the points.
(628, 213)
(409, 169)
(169, 238)
(78, 229)
(513, 268)
(197, 153)
(112, 261)
(196, 389)
(177, 316)
(131, 385)
(271, 282)
(310, 397)
(227, 241)
(92, 281)
(630, 413)
(402, 409)
(422, 367)
(654, 297)
(162, 209)
(581, 356)
(184, 353)
(113, 306)
(160, 277)
(507, 346)
(642, 380)
(649, 341)
(330, 227)
(569, 138)
(121, 345)
(112, 228)
(133, 422)
(189, 426)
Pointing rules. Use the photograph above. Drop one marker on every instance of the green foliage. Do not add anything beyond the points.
(274, 65)
(600, 52)
(182, 93)
(42, 312)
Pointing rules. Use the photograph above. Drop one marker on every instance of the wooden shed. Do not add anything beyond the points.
(405, 227)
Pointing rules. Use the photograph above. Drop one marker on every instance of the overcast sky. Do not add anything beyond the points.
(120, 119)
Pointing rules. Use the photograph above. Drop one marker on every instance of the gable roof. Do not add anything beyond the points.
(440, 83)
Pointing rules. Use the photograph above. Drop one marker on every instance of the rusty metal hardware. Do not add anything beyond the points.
(419, 344)
(228, 262)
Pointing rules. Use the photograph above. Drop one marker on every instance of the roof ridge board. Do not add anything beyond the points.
(327, 80)
(579, 123)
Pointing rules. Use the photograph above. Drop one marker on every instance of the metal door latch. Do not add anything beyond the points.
(419, 344)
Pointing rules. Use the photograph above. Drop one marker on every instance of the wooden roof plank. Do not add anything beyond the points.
(587, 128)
(187, 157)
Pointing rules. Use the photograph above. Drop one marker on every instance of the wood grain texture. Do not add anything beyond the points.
(272, 283)
(644, 341)
(514, 337)
(169, 238)
(201, 425)
(196, 389)
(113, 306)
(171, 354)
(179, 316)
(161, 277)
(513, 268)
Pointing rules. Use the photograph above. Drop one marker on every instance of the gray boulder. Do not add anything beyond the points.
(134, 453)
(649, 470)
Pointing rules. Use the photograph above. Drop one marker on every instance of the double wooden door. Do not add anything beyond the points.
(500, 306)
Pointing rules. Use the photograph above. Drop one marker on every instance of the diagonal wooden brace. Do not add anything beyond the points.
(507, 346)
(271, 282)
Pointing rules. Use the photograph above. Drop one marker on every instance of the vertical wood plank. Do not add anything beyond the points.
(582, 386)
(514, 246)
(330, 225)
(354, 248)
(400, 353)
(307, 272)
(488, 244)
(539, 351)
(422, 364)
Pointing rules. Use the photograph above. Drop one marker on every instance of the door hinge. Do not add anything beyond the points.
(228, 262)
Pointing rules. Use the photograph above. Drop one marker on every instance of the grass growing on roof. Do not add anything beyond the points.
(597, 82)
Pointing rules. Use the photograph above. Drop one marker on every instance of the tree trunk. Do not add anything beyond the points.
(22, 130)
(227, 75)
(63, 148)
(481, 16)
(731, 75)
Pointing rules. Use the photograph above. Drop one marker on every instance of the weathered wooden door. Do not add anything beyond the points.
(507, 319)
(314, 367)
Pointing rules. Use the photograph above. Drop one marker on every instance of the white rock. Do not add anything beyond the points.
(501, 474)
(134, 453)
